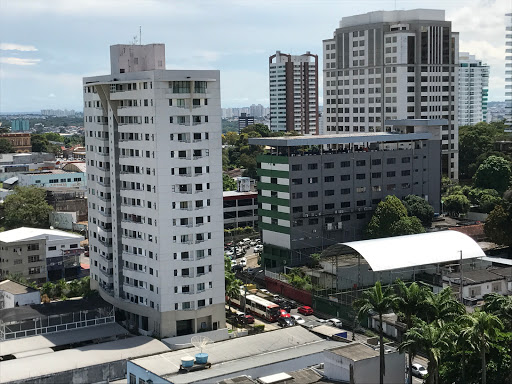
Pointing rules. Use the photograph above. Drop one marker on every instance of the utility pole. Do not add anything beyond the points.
(461, 279)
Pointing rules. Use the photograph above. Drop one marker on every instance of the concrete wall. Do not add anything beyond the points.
(63, 220)
(10, 300)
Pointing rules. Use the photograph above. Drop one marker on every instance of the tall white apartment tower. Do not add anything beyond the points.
(393, 65)
(153, 141)
(508, 71)
(473, 89)
(293, 84)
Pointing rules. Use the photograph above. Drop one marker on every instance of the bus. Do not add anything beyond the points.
(257, 306)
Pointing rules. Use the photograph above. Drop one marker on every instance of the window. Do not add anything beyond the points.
(34, 270)
(391, 160)
(133, 379)
(376, 175)
(313, 194)
(329, 206)
(328, 165)
(33, 247)
(329, 192)
(360, 189)
(391, 174)
(345, 191)
(376, 162)
(200, 86)
(345, 164)
(360, 176)
(312, 208)
(361, 203)
(297, 167)
(297, 209)
(406, 160)
(52, 248)
(345, 177)
(312, 166)
(181, 86)
(296, 181)
(329, 179)
(407, 172)
(312, 180)
(360, 163)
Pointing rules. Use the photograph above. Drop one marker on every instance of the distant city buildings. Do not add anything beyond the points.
(244, 120)
(508, 71)
(388, 65)
(293, 85)
(20, 125)
(58, 112)
(258, 111)
(473, 89)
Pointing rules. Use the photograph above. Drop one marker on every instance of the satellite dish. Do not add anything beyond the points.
(200, 342)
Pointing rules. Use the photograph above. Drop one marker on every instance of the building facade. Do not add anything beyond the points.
(473, 89)
(20, 125)
(293, 83)
(40, 255)
(508, 70)
(389, 65)
(240, 209)
(244, 120)
(19, 141)
(320, 191)
(13, 294)
(153, 140)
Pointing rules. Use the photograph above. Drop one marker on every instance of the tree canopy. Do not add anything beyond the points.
(456, 204)
(416, 206)
(6, 146)
(27, 207)
(228, 183)
(493, 173)
(390, 219)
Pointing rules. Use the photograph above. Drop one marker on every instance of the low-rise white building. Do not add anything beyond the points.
(13, 294)
(478, 283)
(240, 209)
(40, 254)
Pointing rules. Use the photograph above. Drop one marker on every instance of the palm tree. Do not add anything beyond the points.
(47, 289)
(432, 338)
(481, 328)
(442, 306)
(409, 301)
(501, 306)
(376, 300)
(60, 288)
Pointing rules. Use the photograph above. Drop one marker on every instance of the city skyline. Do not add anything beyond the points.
(43, 70)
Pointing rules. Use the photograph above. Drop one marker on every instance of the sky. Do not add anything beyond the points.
(48, 46)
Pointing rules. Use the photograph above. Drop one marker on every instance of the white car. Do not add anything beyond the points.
(258, 248)
(419, 370)
(246, 240)
(233, 263)
(229, 253)
(335, 323)
(265, 291)
(298, 319)
(243, 262)
(253, 243)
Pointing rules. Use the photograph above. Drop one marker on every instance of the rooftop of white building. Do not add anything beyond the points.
(27, 234)
(396, 16)
(15, 288)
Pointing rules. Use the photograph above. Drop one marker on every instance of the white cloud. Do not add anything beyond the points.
(18, 61)
(17, 47)
(52, 95)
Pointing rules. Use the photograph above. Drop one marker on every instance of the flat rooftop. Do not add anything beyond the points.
(355, 352)
(15, 288)
(236, 356)
(28, 234)
(345, 138)
(71, 359)
(50, 340)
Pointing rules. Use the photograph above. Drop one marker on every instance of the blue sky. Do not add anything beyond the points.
(47, 46)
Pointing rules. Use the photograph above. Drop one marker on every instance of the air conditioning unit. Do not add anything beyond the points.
(313, 231)
(340, 225)
(306, 215)
(359, 209)
(329, 226)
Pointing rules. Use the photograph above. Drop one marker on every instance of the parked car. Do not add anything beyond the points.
(229, 254)
(245, 319)
(252, 271)
(253, 243)
(283, 313)
(265, 291)
(305, 310)
(233, 263)
(258, 248)
(335, 323)
(298, 319)
(419, 370)
(243, 262)
(246, 240)
(237, 268)
(285, 322)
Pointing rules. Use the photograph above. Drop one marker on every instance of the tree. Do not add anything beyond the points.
(432, 338)
(60, 289)
(474, 141)
(441, 307)
(232, 284)
(228, 183)
(75, 288)
(261, 129)
(231, 138)
(390, 219)
(416, 206)
(485, 199)
(47, 289)
(456, 204)
(298, 279)
(409, 302)
(6, 146)
(39, 143)
(379, 301)
(493, 173)
(481, 328)
(27, 206)
(498, 226)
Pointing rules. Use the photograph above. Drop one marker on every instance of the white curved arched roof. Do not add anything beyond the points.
(415, 250)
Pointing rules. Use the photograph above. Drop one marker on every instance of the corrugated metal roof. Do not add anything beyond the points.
(26, 233)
